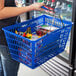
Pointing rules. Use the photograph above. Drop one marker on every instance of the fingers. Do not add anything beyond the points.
(42, 4)
(37, 6)
(41, 9)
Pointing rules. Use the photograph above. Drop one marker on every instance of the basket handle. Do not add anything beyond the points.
(44, 7)
(17, 19)
(53, 14)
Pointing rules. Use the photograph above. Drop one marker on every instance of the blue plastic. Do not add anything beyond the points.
(44, 7)
(35, 53)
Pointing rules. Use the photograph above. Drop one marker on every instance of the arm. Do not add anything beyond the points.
(6, 12)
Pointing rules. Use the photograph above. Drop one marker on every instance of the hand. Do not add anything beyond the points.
(37, 6)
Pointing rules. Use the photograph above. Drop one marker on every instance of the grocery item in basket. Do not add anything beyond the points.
(19, 33)
(16, 31)
(44, 29)
(28, 30)
(50, 28)
(34, 37)
(26, 34)
(41, 32)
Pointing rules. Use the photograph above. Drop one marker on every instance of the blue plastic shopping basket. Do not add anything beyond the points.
(35, 53)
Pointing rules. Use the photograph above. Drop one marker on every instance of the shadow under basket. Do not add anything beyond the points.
(34, 53)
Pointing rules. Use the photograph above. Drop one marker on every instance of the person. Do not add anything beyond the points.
(8, 16)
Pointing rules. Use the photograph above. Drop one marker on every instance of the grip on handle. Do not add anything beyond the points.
(44, 7)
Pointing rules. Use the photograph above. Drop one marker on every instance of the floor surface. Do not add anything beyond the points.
(25, 71)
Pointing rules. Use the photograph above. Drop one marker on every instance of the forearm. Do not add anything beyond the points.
(7, 12)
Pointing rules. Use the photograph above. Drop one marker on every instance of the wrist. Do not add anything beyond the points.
(31, 7)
